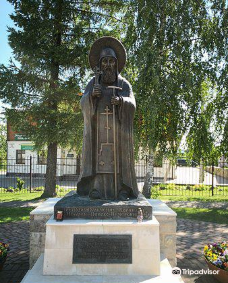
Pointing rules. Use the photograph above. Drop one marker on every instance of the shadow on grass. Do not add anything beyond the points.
(9, 214)
(203, 214)
(11, 198)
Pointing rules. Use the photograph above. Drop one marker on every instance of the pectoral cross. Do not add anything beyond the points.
(107, 113)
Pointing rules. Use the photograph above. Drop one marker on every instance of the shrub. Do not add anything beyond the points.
(10, 190)
(200, 187)
(162, 187)
(171, 186)
(154, 193)
(60, 189)
(20, 184)
(188, 188)
(38, 189)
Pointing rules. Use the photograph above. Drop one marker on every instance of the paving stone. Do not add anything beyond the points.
(16, 234)
(190, 246)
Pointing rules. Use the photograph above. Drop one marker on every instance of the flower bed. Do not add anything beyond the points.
(3, 253)
(216, 256)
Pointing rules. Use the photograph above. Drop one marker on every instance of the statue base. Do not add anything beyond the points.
(102, 247)
(75, 206)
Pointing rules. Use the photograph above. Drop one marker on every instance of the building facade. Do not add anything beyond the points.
(22, 157)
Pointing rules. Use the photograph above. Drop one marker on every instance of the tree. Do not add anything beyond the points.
(175, 47)
(50, 43)
(3, 144)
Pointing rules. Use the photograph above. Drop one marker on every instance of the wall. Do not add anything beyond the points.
(12, 167)
(223, 172)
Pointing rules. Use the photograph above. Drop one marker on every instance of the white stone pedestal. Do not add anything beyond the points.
(59, 247)
(35, 275)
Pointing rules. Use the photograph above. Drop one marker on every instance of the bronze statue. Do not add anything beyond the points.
(108, 107)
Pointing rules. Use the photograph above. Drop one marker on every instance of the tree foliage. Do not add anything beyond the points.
(50, 43)
(175, 48)
(51, 37)
(177, 64)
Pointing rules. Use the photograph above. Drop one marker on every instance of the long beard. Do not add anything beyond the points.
(108, 76)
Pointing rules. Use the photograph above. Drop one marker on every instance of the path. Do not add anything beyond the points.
(17, 235)
(191, 239)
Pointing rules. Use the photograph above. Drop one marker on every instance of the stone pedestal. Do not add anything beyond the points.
(165, 216)
(35, 275)
(167, 229)
(77, 207)
(58, 252)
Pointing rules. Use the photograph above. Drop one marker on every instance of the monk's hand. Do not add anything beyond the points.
(115, 100)
(96, 91)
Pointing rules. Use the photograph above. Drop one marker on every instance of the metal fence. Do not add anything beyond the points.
(168, 179)
(191, 180)
(32, 173)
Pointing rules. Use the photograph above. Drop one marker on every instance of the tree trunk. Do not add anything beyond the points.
(148, 182)
(50, 181)
(201, 173)
(78, 166)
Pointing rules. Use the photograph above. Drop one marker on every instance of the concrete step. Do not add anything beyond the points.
(35, 275)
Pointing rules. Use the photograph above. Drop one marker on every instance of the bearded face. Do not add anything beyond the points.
(108, 68)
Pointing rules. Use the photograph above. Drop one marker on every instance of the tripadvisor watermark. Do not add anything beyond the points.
(184, 271)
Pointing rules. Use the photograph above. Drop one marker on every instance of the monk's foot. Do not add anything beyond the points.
(123, 195)
(94, 194)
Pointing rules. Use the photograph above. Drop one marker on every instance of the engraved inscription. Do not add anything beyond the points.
(104, 212)
(102, 248)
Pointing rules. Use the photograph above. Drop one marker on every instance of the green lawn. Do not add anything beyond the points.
(26, 196)
(203, 214)
(19, 196)
(194, 198)
(8, 214)
(189, 193)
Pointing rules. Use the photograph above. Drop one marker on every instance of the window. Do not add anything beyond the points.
(20, 156)
(42, 158)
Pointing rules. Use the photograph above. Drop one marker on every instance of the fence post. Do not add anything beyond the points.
(212, 185)
(30, 175)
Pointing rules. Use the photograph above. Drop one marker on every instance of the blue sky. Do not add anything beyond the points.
(5, 51)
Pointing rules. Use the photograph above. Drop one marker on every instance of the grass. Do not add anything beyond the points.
(12, 214)
(203, 214)
(190, 193)
(27, 196)
(194, 198)
(23, 196)
(8, 214)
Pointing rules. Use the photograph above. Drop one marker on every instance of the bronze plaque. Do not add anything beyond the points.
(102, 248)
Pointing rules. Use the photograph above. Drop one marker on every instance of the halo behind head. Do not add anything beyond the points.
(103, 43)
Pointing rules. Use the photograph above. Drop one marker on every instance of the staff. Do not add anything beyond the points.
(114, 136)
